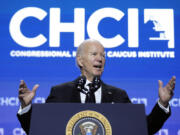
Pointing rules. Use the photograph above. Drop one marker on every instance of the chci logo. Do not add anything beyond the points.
(88, 123)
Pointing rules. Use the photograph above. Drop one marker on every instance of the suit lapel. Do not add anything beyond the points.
(107, 94)
(75, 98)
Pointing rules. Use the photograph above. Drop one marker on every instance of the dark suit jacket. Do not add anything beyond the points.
(67, 93)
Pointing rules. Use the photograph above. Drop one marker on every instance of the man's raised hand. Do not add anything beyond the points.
(167, 92)
(26, 95)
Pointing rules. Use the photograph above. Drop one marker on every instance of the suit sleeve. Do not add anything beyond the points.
(25, 119)
(156, 119)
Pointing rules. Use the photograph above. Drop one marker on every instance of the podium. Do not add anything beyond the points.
(88, 119)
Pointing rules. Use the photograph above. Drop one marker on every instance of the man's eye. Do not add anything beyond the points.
(103, 55)
(94, 54)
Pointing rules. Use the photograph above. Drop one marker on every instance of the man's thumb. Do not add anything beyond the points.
(160, 83)
(35, 87)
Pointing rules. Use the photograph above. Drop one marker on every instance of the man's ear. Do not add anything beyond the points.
(80, 61)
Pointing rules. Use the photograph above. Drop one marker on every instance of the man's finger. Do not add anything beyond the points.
(22, 90)
(22, 84)
(172, 85)
(35, 87)
(160, 83)
(21, 96)
(171, 91)
(174, 78)
(172, 81)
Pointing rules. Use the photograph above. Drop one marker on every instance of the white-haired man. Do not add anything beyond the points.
(91, 60)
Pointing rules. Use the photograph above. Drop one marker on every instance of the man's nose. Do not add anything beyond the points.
(99, 58)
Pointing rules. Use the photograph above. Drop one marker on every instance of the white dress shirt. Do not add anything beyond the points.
(97, 94)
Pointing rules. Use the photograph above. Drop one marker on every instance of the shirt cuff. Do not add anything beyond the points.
(24, 110)
(165, 109)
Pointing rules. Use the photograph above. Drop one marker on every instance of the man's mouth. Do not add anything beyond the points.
(98, 66)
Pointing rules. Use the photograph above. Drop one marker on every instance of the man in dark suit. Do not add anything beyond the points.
(90, 58)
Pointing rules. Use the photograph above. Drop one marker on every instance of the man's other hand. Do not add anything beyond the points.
(167, 92)
(26, 95)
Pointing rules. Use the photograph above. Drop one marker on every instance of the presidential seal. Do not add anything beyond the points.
(88, 123)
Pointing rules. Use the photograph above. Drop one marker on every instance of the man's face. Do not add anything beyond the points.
(92, 60)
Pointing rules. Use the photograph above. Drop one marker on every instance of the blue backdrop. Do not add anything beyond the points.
(141, 40)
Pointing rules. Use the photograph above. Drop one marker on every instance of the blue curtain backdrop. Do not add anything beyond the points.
(148, 50)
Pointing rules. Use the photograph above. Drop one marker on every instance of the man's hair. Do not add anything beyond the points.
(80, 49)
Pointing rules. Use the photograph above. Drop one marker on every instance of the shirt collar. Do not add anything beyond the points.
(87, 82)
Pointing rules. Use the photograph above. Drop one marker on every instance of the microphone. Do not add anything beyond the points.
(94, 86)
(96, 83)
(80, 82)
